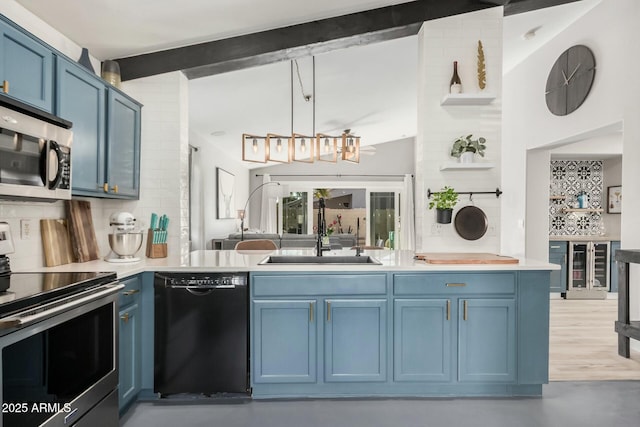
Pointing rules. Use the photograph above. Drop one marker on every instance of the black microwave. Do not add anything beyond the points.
(35, 157)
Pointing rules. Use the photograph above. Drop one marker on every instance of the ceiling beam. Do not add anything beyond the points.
(305, 39)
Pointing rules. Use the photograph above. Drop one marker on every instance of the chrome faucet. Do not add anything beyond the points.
(322, 228)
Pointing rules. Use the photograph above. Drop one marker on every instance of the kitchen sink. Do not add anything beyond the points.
(312, 259)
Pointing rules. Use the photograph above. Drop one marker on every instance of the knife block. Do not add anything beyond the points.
(155, 250)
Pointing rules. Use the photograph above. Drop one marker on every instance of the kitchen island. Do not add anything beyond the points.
(401, 328)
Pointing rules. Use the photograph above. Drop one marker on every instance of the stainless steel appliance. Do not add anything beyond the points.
(35, 153)
(201, 339)
(125, 238)
(588, 270)
(58, 347)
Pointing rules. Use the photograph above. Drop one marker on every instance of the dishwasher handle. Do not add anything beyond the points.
(196, 287)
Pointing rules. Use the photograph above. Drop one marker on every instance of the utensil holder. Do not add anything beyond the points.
(155, 250)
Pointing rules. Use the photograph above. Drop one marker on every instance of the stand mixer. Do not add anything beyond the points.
(125, 238)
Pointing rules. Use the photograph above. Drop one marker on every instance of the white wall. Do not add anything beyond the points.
(609, 29)
(210, 158)
(441, 42)
(163, 159)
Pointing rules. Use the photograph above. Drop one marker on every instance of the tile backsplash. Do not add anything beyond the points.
(568, 180)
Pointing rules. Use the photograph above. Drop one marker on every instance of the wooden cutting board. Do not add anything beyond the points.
(83, 235)
(465, 258)
(56, 242)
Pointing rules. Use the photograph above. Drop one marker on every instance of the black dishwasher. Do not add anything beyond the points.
(201, 339)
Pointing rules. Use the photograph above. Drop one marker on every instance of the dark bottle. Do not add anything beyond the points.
(455, 86)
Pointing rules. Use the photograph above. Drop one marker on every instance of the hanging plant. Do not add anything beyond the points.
(482, 72)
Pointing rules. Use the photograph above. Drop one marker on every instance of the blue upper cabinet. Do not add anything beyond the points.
(81, 100)
(106, 134)
(27, 66)
(123, 146)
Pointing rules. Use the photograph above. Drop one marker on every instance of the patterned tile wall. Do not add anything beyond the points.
(568, 180)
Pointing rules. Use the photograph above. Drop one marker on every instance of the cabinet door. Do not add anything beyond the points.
(558, 255)
(28, 67)
(355, 344)
(422, 340)
(129, 355)
(284, 341)
(613, 282)
(123, 146)
(486, 340)
(81, 100)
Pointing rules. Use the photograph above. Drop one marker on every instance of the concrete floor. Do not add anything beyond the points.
(564, 404)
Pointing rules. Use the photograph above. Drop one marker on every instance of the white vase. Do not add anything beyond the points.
(467, 157)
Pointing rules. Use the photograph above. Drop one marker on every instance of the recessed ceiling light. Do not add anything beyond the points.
(218, 133)
(531, 33)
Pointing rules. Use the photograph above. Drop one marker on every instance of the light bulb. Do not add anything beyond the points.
(350, 147)
(255, 145)
(279, 145)
(326, 145)
(303, 145)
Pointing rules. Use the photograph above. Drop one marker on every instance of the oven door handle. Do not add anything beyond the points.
(20, 319)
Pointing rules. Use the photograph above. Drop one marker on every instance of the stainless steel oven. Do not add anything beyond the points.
(58, 345)
(35, 157)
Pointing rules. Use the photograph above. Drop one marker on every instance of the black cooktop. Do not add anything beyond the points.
(22, 290)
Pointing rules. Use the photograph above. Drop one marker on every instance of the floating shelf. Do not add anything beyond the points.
(468, 99)
(467, 166)
(583, 210)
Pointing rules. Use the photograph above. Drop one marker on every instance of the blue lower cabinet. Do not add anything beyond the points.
(421, 352)
(284, 341)
(486, 340)
(129, 355)
(355, 343)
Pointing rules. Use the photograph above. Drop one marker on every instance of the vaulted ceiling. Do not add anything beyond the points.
(366, 55)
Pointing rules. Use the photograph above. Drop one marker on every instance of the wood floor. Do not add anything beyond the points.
(583, 344)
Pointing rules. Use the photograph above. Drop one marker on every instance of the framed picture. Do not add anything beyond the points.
(226, 187)
(614, 199)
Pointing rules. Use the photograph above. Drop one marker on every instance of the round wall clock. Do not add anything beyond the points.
(570, 80)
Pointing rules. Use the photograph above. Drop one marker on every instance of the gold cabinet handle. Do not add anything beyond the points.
(448, 309)
(5, 86)
(131, 292)
(465, 310)
(125, 317)
(105, 188)
(310, 312)
(328, 311)
(453, 285)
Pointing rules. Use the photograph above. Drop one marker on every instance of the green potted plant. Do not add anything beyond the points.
(444, 201)
(464, 148)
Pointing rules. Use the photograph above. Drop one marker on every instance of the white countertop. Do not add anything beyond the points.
(231, 260)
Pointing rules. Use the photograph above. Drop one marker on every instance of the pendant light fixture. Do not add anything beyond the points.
(300, 147)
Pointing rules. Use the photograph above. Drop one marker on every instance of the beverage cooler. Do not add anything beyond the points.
(588, 270)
